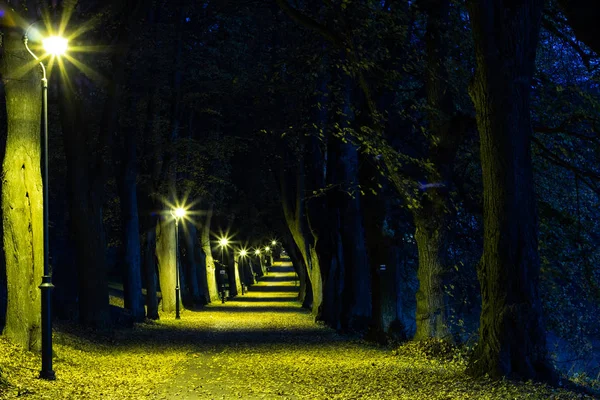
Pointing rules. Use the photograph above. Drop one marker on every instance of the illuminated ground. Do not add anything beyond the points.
(258, 346)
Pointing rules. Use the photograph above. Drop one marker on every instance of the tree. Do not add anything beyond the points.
(511, 333)
(22, 210)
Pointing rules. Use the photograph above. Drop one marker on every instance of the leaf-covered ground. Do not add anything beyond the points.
(259, 346)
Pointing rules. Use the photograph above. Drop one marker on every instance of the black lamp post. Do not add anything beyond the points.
(177, 213)
(54, 46)
(223, 242)
(243, 254)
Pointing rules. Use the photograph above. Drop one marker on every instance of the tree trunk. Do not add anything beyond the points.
(293, 209)
(195, 280)
(358, 303)
(211, 278)
(22, 202)
(131, 271)
(150, 269)
(165, 253)
(299, 267)
(431, 215)
(512, 336)
(431, 308)
(85, 179)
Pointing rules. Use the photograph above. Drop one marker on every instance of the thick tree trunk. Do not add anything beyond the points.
(299, 267)
(512, 336)
(150, 270)
(195, 280)
(431, 308)
(431, 216)
(22, 203)
(165, 253)
(380, 253)
(358, 303)
(293, 209)
(131, 271)
(85, 179)
(211, 278)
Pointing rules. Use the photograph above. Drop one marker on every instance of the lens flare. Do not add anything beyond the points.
(55, 45)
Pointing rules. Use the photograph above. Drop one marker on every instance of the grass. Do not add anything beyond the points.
(260, 346)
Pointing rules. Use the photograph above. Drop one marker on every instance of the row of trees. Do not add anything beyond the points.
(388, 143)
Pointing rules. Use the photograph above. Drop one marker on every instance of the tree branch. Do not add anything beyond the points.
(337, 40)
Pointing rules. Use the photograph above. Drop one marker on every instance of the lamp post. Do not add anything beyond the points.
(257, 254)
(270, 263)
(177, 213)
(54, 46)
(243, 254)
(223, 242)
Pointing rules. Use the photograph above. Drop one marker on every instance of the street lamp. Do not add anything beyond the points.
(243, 254)
(54, 46)
(274, 243)
(178, 213)
(223, 242)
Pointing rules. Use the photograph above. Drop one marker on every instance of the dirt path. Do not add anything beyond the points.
(263, 345)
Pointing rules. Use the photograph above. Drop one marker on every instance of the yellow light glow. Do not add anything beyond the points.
(274, 243)
(223, 242)
(257, 252)
(243, 253)
(267, 248)
(55, 45)
(179, 212)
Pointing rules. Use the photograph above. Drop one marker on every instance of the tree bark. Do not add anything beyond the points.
(211, 278)
(432, 212)
(22, 202)
(85, 179)
(165, 253)
(150, 270)
(512, 335)
(195, 280)
(132, 279)
(431, 308)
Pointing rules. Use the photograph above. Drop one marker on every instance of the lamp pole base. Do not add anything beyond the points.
(46, 288)
(177, 303)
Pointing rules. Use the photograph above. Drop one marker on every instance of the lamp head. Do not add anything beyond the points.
(267, 248)
(243, 253)
(223, 242)
(274, 242)
(55, 45)
(179, 212)
(257, 252)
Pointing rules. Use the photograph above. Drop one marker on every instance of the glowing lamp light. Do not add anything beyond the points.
(179, 212)
(223, 242)
(55, 45)
(243, 253)
(257, 252)
(274, 243)
(267, 248)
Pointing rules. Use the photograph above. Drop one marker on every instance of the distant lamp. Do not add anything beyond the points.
(257, 252)
(274, 242)
(223, 242)
(243, 254)
(177, 213)
(55, 45)
(267, 248)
